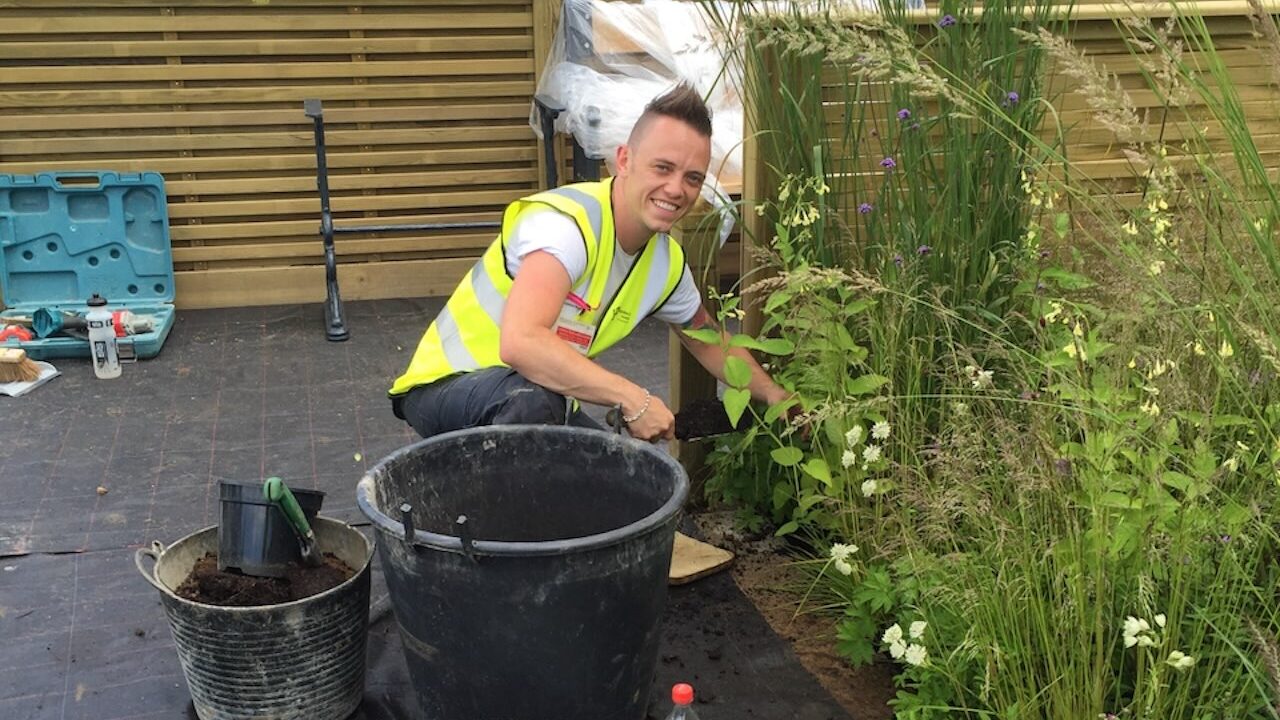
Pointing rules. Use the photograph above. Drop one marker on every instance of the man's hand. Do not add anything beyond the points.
(657, 422)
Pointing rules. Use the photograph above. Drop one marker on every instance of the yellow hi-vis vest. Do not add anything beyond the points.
(464, 336)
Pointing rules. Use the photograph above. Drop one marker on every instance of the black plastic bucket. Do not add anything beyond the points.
(546, 602)
(254, 537)
(302, 660)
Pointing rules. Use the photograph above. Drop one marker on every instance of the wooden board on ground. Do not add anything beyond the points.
(692, 559)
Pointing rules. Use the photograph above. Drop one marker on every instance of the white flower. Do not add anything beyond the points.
(841, 552)
(982, 380)
(897, 649)
(892, 635)
(917, 629)
(880, 430)
(854, 436)
(843, 567)
(1138, 632)
(1134, 625)
(869, 488)
(1180, 661)
(1232, 464)
(871, 453)
(848, 458)
(1161, 620)
(916, 655)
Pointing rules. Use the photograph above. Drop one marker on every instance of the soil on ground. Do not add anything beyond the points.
(703, 418)
(768, 577)
(207, 584)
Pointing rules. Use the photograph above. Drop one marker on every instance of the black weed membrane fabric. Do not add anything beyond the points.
(92, 470)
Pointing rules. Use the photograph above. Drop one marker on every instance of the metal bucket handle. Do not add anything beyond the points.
(154, 552)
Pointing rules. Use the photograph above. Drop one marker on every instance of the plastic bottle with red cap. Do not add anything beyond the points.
(682, 696)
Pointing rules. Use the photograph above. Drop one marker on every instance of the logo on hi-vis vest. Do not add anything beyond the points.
(622, 315)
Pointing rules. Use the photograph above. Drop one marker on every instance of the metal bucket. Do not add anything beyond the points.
(302, 660)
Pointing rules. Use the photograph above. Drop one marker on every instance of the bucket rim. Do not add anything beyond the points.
(164, 588)
(367, 501)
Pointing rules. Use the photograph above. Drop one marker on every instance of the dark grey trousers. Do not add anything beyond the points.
(493, 396)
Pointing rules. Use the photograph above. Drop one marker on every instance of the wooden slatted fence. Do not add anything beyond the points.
(426, 107)
(1096, 153)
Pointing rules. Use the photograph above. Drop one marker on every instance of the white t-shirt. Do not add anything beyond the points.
(558, 235)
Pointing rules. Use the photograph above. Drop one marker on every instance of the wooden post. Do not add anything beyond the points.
(546, 14)
(689, 381)
(757, 185)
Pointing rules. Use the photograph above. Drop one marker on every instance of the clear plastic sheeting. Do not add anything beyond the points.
(609, 59)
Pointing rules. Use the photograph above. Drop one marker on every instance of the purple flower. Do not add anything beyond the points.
(947, 21)
(888, 163)
(923, 250)
(897, 259)
(903, 114)
(865, 208)
(914, 126)
(1011, 99)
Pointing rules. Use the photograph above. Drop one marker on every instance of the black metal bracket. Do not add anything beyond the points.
(335, 323)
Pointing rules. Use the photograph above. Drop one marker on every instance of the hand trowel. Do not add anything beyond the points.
(277, 492)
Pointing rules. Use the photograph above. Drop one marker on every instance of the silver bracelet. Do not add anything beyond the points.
(643, 408)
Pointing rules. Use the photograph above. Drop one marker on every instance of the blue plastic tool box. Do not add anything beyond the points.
(65, 236)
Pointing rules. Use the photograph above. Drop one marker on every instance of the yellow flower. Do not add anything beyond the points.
(1150, 408)
(1077, 330)
(1159, 368)
(1156, 267)
(1226, 351)
(1130, 228)
(1133, 363)
(1198, 348)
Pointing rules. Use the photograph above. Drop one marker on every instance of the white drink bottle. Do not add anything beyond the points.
(102, 339)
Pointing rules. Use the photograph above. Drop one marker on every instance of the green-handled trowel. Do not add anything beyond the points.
(277, 492)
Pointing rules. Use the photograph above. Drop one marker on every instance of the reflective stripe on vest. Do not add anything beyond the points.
(465, 335)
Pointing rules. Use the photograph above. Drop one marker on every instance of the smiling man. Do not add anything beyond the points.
(573, 271)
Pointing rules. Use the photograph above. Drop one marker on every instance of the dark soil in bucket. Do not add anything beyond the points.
(207, 584)
(704, 418)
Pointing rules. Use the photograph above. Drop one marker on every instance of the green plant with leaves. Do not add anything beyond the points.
(1070, 514)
